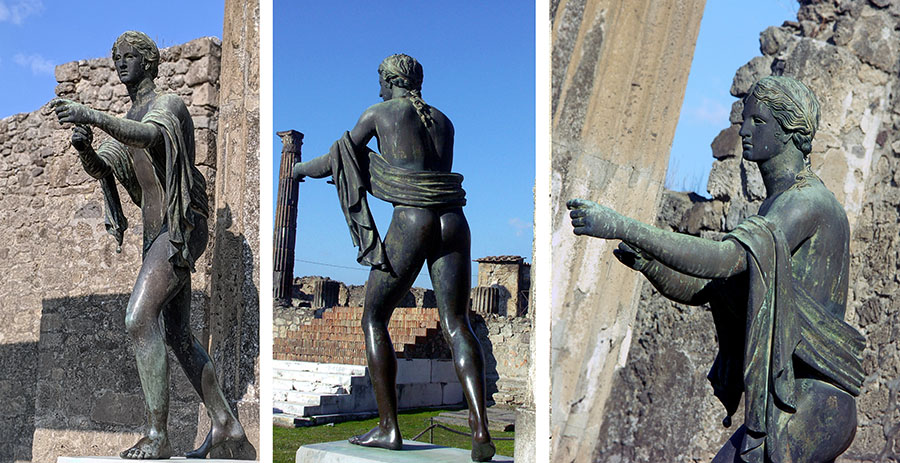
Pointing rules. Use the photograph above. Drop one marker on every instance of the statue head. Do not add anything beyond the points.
(793, 105)
(402, 71)
(145, 46)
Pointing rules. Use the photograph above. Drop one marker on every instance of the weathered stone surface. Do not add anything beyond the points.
(748, 74)
(617, 85)
(234, 285)
(858, 104)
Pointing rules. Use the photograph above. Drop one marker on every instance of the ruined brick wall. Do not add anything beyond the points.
(847, 52)
(64, 290)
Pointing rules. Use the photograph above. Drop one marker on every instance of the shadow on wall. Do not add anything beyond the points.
(86, 379)
(234, 316)
(18, 382)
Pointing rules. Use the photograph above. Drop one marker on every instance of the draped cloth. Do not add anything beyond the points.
(358, 171)
(782, 322)
(182, 182)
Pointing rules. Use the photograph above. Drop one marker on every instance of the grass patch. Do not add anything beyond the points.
(285, 442)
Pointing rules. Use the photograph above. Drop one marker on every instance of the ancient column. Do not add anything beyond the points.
(485, 300)
(286, 217)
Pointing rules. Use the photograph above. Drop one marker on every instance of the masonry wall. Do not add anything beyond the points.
(847, 52)
(65, 288)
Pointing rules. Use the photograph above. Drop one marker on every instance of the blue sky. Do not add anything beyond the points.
(478, 61)
(729, 37)
(36, 35)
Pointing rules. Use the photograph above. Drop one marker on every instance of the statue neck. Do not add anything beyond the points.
(780, 171)
(141, 92)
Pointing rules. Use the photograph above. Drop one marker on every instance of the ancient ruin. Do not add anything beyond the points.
(54, 306)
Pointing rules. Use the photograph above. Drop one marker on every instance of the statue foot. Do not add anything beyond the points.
(378, 437)
(221, 445)
(482, 447)
(483, 451)
(149, 448)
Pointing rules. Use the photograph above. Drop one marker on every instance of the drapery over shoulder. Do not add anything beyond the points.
(184, 185)
(357, 171)
(782, 321)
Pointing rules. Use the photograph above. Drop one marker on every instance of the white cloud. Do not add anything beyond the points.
(16, 11)
(711, 111)
(37, 63)
(519, 225)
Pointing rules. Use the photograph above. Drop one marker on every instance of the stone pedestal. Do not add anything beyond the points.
(117, 459)
(413, 452)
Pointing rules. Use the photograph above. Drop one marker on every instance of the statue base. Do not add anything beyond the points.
(413, 452)
(120, 460)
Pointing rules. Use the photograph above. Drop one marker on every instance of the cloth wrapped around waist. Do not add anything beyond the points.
(407, 187)
(355, 174)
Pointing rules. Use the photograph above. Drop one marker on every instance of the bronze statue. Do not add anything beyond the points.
(777, 286)
(151, 153)
(413, 172)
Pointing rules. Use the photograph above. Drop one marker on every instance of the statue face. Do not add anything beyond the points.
(385, 92)
(129, 63)
(761, 135)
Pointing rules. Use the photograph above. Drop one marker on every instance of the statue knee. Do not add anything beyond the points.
(135, 325)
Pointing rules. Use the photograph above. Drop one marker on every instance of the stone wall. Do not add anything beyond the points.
(619, 70)
(64, 289)
(847, 52)
(504, 340)
(510, 274)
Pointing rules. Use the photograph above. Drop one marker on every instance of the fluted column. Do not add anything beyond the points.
(286, 217)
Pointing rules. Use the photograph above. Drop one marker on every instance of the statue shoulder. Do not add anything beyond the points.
(171, 102)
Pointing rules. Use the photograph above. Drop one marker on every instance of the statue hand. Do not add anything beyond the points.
(633, 256)
(590, 218)
(70, 111)
(82, 137)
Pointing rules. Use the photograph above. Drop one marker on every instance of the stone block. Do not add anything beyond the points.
(443, 371)
(67, 72)
(451, 394)
(419, 395)
(411, 371)
(205, 95)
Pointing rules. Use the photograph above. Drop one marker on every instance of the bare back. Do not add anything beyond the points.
(404, 140)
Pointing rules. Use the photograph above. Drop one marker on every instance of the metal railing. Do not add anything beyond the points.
(431, 425)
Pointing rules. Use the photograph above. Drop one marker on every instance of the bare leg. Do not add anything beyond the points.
(156, 283)
(226, 437)
(405, 243)
(450, 269)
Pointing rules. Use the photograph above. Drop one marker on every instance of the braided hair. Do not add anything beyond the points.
(405, 72)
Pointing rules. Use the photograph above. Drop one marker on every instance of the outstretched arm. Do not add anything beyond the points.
(684, 253)
(320, 167)
(316, 168)
(670, 283)
(130, 133)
